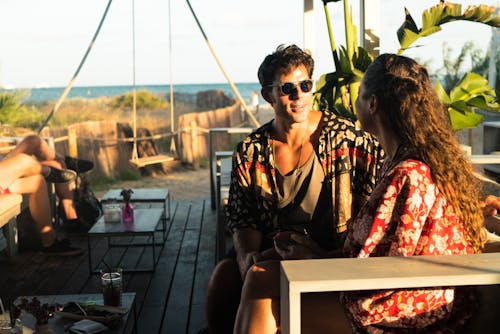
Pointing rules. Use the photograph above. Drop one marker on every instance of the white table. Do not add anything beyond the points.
(353, 274)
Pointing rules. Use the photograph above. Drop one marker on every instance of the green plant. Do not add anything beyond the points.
(472, 90)
(337, 91)
(145, 99)
(14, 113)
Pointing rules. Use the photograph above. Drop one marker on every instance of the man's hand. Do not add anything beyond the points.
(490, 205)
(294, 246)
(245, 261)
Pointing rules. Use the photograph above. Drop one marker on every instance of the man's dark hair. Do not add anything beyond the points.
(282, 61)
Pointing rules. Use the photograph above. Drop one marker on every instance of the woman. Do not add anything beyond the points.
(424, 203)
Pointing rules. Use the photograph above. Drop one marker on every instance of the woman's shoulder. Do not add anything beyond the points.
(413, 168)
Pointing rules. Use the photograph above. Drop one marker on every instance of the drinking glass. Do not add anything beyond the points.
(112, 284)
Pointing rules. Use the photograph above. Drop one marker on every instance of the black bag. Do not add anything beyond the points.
(87, 206)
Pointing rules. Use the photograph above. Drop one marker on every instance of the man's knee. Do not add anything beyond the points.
(225, 276)
(262, 281)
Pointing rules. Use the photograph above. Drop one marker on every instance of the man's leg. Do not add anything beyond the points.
(18, 166)
(64, 191)
(258, 312)
(223, 297)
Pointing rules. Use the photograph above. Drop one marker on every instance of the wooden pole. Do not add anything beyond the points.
(195, 145)
(72, 143)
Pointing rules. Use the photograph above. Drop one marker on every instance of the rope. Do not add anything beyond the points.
(172, 125)
(230, 82)
(70, 84)
(135, 156)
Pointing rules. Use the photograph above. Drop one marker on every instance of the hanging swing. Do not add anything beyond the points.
(159, 158)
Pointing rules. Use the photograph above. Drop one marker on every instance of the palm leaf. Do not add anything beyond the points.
(442, 13)
(471, 92)
(465, 120)
(443, 97)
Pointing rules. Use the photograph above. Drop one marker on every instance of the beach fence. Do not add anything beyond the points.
(109, 144)
(194, 128)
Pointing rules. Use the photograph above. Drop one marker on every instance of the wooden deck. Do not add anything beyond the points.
(170, 300)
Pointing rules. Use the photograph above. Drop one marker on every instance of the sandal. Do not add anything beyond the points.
(60, 175)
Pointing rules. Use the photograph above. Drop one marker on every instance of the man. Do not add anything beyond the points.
(306, 171)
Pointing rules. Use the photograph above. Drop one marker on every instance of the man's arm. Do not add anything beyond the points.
(247, 242)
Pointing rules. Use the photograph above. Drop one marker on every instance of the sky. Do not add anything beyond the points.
(43, 42)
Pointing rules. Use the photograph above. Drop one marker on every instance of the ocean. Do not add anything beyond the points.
(181, 91)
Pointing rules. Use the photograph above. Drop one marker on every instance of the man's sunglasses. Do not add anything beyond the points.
(289, 87)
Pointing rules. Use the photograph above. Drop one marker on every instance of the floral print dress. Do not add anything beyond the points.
(406, 215)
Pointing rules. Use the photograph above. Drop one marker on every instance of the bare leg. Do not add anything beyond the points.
(259, 309)
(21, 165)
(36, 146)
(64, 191)
(39, 205)
(223, 297)
(22, 174)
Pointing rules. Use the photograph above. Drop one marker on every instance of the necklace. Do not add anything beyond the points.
(296, 168)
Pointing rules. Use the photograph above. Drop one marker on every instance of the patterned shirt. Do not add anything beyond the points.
(407, 216)
(349, 158)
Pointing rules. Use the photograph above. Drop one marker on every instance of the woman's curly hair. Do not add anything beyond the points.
(410, 105)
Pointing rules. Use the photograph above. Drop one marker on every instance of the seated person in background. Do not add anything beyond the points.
(38, 148)
(23, 174)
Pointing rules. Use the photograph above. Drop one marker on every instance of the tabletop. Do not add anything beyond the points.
(138, 195)
(145, 220)
(58, 323)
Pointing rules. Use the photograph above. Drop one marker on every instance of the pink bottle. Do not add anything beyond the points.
(128, 213)
(127, 208)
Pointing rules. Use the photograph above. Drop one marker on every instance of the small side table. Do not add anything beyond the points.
(57, 323)
(145, 223)
(144, 195)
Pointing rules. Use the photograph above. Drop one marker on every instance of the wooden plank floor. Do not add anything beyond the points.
(170, 300)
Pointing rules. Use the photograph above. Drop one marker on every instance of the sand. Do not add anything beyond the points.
(183, 182)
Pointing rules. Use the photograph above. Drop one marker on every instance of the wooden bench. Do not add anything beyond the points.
(351, 274)
(212, 132)
(11, 206)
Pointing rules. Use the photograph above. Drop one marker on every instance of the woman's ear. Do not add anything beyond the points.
(265, 94)
(373, 104)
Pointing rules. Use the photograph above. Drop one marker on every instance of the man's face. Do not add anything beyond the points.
(293, 107)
